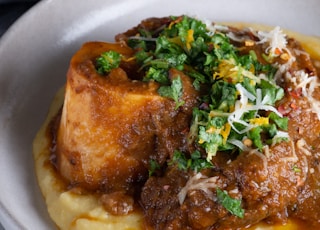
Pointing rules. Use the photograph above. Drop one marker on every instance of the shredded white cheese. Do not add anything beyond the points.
(275, 38)
(239, 144)
(243, 106)
(308, 84)
(300, 79)
(199, 182)
(283, 68)
(213, 27)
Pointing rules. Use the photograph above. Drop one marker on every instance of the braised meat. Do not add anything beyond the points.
(105, 120)
(279, 182)
(204, 126)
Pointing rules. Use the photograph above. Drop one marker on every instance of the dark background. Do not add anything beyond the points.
(11, 10)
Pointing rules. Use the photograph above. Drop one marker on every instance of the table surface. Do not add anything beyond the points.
(10, 11)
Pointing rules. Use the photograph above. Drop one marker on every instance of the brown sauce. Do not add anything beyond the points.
(292, 223)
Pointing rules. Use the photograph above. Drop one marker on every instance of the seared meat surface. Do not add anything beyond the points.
(105, 120)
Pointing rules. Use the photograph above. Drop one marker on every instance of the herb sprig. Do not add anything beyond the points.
(229, 203)
(107, 61)
(173, 91)
(195, 162)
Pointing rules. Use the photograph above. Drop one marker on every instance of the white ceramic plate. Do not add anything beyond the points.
(34, 56)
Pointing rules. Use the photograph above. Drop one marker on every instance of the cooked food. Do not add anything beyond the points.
(105, 120)
(183, 124)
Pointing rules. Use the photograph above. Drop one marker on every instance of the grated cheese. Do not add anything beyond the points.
(243, 107)
(199, 182)
(307, 84)
(239, 144)
(276, 40)
(300, 79)
(229, 70)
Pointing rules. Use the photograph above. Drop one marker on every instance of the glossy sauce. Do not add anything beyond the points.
(291, 224)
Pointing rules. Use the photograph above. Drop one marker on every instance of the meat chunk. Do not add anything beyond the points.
(266, 187)
(112, 126)
(272, 186)
(150, 24)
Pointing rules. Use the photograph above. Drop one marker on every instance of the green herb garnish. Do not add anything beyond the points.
(241, 91)
(173, 91)
(195, 162)
(154, 165)
(296, 169)
(229, 203)
(107, 61)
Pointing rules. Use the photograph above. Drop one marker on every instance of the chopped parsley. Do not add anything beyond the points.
(107, 61)
(296, 169)
(242, 93)
(195, 162)
(237, 107)
(154, 166)
(229, 203)
(173, 91)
